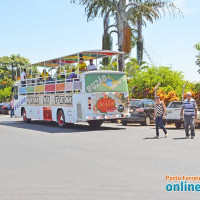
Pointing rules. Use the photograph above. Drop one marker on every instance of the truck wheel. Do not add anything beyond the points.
(178, 125)
(124, 123)
(164, 122)
(147, 121)
(61, 119)
(95, 124)
(24, 117)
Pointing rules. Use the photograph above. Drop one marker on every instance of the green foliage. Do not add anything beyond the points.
(197, 46)
(8, 67)
(107, 45)
(132, 66)
(112, 65)
(147, 79)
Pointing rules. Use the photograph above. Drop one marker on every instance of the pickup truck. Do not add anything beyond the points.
(173, 114)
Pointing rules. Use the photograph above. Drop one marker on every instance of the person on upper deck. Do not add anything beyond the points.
(91, 66)
(81, 65)
(45, 74)
(72, 75)
(23, 78)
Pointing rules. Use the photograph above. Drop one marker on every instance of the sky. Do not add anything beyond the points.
(46, 29)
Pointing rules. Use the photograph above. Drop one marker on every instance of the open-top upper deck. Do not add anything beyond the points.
(62, 82)
(74, 58)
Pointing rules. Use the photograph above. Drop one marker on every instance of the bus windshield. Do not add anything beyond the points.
(105, 82)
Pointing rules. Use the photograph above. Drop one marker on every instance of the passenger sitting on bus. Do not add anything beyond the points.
(72, 75)
(23, 78)
(81, 65)
(49, 80)
(45, 74)
(38, 79)
(91, 66)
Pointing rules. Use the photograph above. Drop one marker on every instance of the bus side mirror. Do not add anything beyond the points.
(12, 89)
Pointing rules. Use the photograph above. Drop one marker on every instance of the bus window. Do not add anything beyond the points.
(105, 82)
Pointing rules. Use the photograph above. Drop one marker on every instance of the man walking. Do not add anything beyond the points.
(190, 113)
(12, 107)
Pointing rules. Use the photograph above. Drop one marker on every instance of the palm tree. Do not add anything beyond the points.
(107, 41)
(148, 11)
(127, 15)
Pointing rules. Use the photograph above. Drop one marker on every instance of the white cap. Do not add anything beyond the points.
(189, 93)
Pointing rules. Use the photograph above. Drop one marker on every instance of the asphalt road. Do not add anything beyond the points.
(40, 161)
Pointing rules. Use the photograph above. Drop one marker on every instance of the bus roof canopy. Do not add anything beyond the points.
(86, 55)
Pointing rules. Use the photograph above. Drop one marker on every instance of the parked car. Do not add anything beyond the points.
(142, 111)
(173, 114)
(5, 108)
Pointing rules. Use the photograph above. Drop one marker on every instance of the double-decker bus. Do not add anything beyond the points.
(90, 96)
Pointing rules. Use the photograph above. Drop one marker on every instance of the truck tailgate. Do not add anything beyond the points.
(173, 113)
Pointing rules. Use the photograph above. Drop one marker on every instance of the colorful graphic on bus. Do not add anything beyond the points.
(108, 82)
(105, 104)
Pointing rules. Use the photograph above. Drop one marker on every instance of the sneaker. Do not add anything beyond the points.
(187, 137)
(156, 137)
(192, 137)
(166, 134)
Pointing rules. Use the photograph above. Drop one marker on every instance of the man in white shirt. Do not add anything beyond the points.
(23, 78)
(91, 66)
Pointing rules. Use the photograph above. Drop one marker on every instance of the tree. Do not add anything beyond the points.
(125, 13)
(7, 74)
(142, 84)
(107, 38)
(197, 46)
(11, 63)
(148, 11)
(132, 66)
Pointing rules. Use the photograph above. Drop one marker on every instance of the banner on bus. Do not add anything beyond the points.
(106, 83)
(50, 100)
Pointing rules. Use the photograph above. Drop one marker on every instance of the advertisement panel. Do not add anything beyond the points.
(109, 104)
(107, 82)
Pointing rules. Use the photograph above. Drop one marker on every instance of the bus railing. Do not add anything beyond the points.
(44, 85)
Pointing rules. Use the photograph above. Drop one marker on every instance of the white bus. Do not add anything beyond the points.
(90, 96)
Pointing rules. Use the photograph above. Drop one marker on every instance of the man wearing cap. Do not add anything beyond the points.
(82, 66)
(91, 66)
(189, 107)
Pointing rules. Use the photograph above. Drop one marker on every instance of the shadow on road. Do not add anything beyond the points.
(51, 127)
(153, 138)
(181, 138)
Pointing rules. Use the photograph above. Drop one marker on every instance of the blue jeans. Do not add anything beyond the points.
(12, 112)
(159, 123)
(189, 121)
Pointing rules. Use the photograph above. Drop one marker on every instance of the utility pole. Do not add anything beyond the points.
(184, 90)
(155, 91)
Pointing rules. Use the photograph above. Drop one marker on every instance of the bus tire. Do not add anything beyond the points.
(61, 119)
(95, 124)
(124, 123)
(24, 116)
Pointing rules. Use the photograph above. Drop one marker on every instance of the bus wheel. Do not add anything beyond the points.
(124, 123)
(24, 117)
(95, 124)
(61, 119)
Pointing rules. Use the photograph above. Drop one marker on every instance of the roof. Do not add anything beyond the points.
(70, 59)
